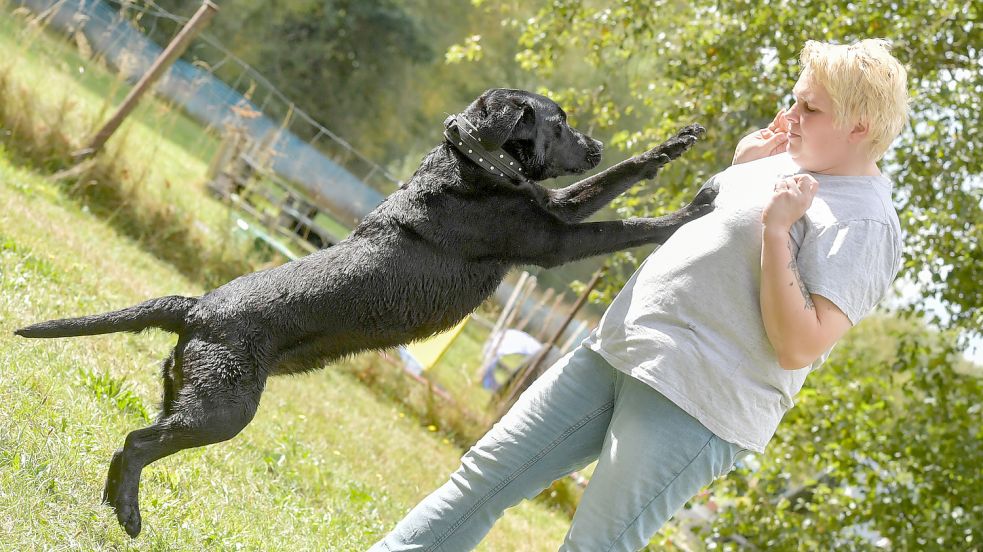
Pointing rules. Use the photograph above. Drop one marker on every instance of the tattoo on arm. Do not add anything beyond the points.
(795, 271)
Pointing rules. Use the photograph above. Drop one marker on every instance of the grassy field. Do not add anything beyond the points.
(326, 464)
(157, 193)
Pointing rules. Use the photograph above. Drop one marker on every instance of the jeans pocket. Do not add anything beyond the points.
(741, 453)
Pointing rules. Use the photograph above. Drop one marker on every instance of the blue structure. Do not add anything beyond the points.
(210, 101)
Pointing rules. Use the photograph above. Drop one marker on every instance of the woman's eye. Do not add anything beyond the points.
(809, 109)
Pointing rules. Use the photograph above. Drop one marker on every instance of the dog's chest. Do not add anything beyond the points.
(441, 294)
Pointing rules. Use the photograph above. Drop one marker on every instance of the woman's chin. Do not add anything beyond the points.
(799, 159)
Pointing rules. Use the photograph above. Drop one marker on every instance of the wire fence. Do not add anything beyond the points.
(217, 88)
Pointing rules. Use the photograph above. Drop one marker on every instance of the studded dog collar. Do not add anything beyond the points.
(464, 138)
(496, 161)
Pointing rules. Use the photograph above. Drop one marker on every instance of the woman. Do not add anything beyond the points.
(700, 355)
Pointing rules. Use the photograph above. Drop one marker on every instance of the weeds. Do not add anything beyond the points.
(112, 389)
(42, 130)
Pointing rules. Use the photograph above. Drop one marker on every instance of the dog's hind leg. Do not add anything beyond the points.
(203, 413)
(170, 372)
(170, 375)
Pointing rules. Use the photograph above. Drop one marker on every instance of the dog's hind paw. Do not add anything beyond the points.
(128, 515)
(112, 479)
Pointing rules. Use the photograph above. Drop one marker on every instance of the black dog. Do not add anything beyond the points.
(419, 263)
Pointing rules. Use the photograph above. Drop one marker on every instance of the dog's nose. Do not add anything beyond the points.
(593, 158)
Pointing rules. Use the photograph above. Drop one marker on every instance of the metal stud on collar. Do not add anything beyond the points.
(461, 138)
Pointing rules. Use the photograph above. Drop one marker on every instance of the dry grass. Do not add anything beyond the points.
(145, 183)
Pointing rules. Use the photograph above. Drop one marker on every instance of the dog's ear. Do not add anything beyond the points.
(499, 114)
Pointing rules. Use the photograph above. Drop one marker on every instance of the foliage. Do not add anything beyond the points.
(885, 437)
(731, 65)
(362, 68)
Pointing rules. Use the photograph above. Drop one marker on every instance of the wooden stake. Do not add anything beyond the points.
(531, 371)
(499, 329)
(173, 50)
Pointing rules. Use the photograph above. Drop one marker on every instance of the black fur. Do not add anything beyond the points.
(420, 262)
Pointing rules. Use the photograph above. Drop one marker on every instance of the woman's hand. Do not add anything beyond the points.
(792, 198)
(764, 142)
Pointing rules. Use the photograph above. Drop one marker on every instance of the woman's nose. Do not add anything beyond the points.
(792, 115)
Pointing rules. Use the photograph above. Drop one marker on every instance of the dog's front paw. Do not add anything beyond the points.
(661, 155)
(706, 195)
(682, 141)
(702, 204)
(650, 163)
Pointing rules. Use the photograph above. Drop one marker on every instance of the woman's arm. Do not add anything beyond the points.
(800, 325)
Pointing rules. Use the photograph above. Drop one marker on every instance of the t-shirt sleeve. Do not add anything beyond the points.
(850, 263)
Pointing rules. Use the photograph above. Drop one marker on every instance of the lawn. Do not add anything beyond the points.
(326, 464)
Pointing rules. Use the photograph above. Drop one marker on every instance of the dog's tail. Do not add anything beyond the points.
(167, 313)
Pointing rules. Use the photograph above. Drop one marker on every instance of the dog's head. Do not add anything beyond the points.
(534, 130)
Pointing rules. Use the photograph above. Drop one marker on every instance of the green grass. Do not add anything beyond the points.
(57, 67)
(326, 465)
(165, 152)
(150, 180)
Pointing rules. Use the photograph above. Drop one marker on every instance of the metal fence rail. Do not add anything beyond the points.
(335, 175)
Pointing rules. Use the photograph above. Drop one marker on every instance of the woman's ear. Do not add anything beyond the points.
(858, 133)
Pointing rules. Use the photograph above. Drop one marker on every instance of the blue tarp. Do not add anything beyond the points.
(207, 99)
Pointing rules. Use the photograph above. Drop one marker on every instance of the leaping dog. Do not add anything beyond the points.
(424, 259)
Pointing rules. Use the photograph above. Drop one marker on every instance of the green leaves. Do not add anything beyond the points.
(731, 66)
(885, 440)
(882, 437)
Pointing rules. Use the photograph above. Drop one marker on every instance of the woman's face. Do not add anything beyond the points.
(813, 141)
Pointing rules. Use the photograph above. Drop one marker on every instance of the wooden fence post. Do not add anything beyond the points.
(531, 371)
(166, 58)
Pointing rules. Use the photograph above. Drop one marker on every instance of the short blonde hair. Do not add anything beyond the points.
(867, 84)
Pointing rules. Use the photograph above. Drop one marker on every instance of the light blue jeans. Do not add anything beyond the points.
(652, 458)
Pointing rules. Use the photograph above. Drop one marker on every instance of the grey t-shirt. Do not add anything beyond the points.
(688, 322)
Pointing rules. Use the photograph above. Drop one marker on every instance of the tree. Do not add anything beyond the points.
(731, 65)
(350, 65)
(886, 436)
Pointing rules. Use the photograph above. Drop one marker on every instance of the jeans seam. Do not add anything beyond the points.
(657, 495)
(504, 482)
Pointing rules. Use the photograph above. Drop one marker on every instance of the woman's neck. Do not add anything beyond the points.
(860, 167)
